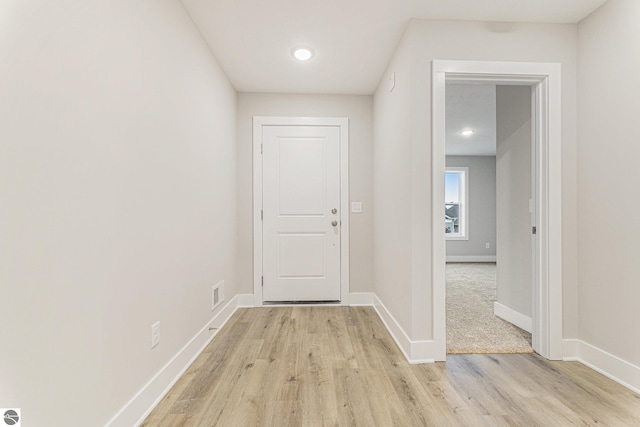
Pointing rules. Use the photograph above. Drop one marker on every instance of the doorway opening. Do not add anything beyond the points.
(546, 302)
(488, 218)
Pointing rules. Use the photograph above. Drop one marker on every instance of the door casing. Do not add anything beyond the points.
(343, 124)
(545, 78)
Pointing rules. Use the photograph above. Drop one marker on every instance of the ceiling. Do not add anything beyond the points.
(353, 40)
(470, 106)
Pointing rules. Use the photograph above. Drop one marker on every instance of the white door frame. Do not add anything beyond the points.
(547, 301)
(343, 124)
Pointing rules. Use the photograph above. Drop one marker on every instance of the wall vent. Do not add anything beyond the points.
(217, 294)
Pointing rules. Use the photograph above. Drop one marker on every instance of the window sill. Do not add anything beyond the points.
(457, 237)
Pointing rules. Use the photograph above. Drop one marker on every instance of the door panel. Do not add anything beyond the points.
(301, 255)
(301, 173)
(301, 187)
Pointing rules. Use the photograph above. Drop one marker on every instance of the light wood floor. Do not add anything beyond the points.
(338, 366)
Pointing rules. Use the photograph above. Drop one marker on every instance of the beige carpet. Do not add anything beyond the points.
(471, 325)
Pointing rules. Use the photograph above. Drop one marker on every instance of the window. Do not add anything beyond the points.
(456, 180)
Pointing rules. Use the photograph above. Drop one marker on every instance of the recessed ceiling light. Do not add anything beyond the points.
(467, 132)
(302, 53)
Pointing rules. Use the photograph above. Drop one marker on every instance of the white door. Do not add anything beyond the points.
(301, 213)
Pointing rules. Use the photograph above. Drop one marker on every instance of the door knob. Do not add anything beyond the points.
(334, 211)
(334, 223)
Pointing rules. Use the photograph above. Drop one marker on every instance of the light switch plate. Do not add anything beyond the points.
(356, 207)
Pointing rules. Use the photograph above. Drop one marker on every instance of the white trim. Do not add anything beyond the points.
(145, 400)
(470, 258)
(245, 300)
(345, 208)
(533, 212)
(257, 212)
(438, 240)
(609, 365)
(570, 350)
(512, 316)
(414, 351)
(361, 298)
(343, 124)
(545, 77)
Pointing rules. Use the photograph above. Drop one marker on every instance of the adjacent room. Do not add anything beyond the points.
(488, 200)
(230, 213)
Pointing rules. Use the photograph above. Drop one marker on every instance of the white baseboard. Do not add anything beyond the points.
(471, 258)
(143, 402)
(613, 367)
(512, 316)
(246, 300)
(570, 350)
(414, 351)
(361, 298)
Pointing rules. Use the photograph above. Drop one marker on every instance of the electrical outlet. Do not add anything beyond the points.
(488, 245)
(155, 334)
(217, 294)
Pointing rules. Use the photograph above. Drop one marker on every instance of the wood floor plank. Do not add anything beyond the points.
(319, 385)
(174, 420)
(338, 366)
(246, 402)
(352, 399)
(162, 412)
(282, 413)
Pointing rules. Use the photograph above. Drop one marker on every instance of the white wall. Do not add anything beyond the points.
(482, 208)
(609, 234)
(392, 191)
(513, 172)
(117, 181)
(402, 147)
(359, 110)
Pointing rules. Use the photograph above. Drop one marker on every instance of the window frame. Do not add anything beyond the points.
(463, 226)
